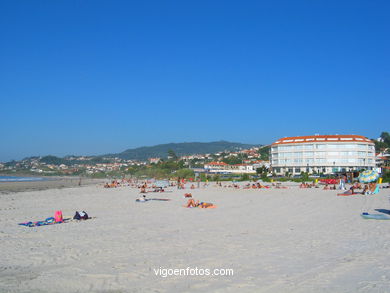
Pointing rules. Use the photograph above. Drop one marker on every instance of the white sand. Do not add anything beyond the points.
(275, 240)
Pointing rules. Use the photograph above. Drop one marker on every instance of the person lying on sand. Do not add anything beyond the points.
(279, 186)
(193, 204)
(141, 198)
(350, 191)
(158, 189)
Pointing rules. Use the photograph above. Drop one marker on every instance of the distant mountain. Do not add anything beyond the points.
(180, 149)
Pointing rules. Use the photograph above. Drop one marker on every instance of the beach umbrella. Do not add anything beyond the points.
(368, 176)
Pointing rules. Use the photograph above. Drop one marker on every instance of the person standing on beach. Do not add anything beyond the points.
(342, 183)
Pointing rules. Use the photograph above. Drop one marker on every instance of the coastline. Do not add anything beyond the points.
(47, 183)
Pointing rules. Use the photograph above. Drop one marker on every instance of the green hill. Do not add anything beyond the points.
(180, 149)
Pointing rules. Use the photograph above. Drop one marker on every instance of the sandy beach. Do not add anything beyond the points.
(274, 240)
(48, 183)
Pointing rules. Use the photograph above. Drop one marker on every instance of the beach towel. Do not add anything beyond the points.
(347, 194)
(375, 216)
(210, 207)
(148, 199)
(48, 221)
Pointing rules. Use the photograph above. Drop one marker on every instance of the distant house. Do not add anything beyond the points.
(154, 160)
(260, 163)
(215, 166)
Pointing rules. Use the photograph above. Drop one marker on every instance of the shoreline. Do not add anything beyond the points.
(47, 183)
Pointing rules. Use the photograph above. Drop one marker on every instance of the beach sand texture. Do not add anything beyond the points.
(275, 240)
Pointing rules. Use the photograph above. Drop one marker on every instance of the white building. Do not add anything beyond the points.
(221, 167)
(322, 153)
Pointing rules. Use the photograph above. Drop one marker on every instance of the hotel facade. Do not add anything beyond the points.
(322, 154)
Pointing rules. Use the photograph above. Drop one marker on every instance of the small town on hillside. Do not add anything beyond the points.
(290, 156)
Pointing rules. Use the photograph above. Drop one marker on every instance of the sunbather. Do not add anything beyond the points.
(193, 204)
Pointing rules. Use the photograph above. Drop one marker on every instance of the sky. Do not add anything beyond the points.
(90, 77)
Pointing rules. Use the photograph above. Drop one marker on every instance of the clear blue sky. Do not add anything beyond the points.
(95, 77)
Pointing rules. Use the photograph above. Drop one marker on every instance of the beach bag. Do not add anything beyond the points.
(77, 216)
(81, 216)
(58, 216)
(84, 215)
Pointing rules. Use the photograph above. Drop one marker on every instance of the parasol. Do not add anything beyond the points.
(368, 176)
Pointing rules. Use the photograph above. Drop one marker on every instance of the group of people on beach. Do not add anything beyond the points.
(256, 185)
(308, 185)
(367, 189)
(144, 187)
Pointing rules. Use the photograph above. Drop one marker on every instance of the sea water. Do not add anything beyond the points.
(19, 179)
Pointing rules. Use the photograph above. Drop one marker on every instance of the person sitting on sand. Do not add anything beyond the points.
(326, 187)
(192, 186)
(191, 203)
(371, 188)
(365, 189)
(302, 185)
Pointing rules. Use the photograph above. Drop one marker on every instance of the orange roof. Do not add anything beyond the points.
(322, 138)
(217, 163)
